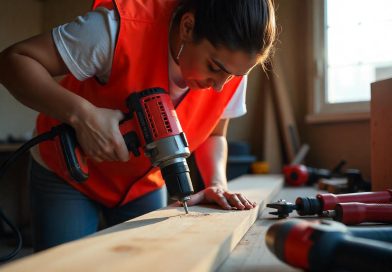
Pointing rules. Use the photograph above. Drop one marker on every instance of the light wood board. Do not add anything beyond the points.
(251, 253)
(163, 240)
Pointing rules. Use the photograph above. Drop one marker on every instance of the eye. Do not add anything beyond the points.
(213, 68)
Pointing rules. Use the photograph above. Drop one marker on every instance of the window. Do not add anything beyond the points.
(352, 43)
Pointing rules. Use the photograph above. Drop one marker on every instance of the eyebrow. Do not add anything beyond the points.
(221, 66)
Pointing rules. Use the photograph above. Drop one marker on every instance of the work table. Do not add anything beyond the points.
(208, 239)
(251, 253)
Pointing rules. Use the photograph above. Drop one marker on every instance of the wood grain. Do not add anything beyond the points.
(251, 253)
(163, 240)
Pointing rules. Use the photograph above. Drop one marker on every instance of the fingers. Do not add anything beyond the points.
(196, 198)
(239, 201)
(221, 200)
(101, 138)
(119, 150)
(248, 204)
(224, 199)
(235, 202)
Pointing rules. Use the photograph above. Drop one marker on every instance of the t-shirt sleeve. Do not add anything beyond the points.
(86, 44)
(237, 104)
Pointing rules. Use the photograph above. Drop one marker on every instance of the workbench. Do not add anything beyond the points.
(251, 253)
(208, 239)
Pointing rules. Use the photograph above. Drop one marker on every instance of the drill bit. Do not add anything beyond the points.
(185, 206)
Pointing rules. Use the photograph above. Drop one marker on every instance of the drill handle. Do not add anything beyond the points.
(355, 213)
(383, 234)
(73, 156)
(360, 254)
(330, 200)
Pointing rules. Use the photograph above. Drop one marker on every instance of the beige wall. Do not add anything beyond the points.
(19, 19)
(57, 12)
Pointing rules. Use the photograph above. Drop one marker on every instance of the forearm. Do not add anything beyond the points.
(32, 84)
(211, 159)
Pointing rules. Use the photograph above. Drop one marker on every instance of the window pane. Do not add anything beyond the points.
(349, 84)
(359, 47)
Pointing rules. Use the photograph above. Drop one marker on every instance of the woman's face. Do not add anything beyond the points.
(204, 66)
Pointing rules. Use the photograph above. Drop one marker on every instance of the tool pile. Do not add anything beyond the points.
(333, 181)
(325, 245)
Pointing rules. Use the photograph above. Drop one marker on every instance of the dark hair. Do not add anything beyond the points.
(247, 25)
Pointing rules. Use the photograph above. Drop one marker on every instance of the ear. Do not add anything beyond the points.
(187, 24)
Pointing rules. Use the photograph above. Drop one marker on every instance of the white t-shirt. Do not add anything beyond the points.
(87, 45)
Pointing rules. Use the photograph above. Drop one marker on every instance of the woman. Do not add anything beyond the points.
(199, 50)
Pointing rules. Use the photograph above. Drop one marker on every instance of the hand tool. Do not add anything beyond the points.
(299, 174)
(353, 213)
(330, 246)
(152, 125)
(325, 202)
(350, 181)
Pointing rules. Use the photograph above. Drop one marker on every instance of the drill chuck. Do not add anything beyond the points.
(178, 182)
(162, 151)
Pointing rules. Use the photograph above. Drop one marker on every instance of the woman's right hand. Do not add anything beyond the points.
(98, 133)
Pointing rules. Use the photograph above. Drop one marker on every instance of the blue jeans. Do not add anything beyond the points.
(61, 214)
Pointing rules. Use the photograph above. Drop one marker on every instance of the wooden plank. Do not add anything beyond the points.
(163, 240)
(272, 146)
(381, 134)
(284, 110)
(251, 253)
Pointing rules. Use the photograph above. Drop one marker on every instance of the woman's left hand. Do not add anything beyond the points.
(222, 197)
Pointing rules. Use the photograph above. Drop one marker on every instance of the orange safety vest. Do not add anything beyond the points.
(140, 61)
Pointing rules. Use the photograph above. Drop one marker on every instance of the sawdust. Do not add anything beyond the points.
(193, 215)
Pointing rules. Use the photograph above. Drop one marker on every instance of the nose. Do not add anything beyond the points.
(220, 82)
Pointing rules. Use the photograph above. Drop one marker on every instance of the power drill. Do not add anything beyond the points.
(150, 124)
(330, 246)
(299, 174)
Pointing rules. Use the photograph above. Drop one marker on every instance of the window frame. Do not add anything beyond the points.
(319, 109)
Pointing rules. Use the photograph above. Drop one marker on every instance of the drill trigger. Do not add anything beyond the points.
(132, 142)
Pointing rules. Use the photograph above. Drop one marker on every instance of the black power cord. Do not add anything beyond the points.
(4, 167)
(18, 238)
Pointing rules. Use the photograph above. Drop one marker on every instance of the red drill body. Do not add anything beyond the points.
(353, 213)
(330, 246)
(329, 201)
(298, 174)
(150, 126)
